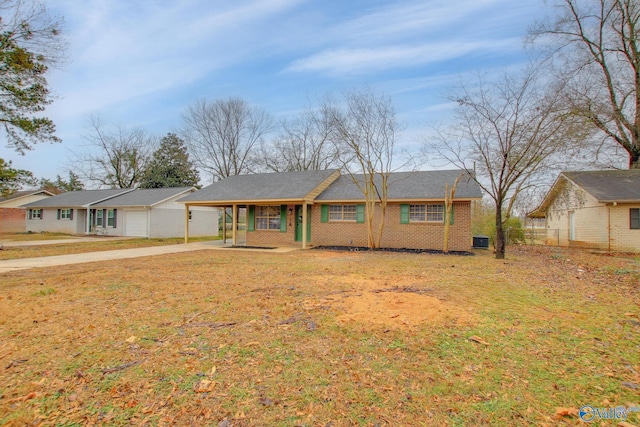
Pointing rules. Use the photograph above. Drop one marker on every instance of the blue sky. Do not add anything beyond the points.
(140, 64)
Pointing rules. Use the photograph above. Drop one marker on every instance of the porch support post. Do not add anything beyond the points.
(186, 223)
(304, 225)
(224, 225)
(234, 220)
(87, 228)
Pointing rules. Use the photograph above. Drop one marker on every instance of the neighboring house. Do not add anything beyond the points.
(12, 215)
(595, 209)
(153, 213)
(122, 212)
(323, 208)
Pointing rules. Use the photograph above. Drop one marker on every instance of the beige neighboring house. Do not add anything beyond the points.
(593, 209)
(121, 212)
(12, 215)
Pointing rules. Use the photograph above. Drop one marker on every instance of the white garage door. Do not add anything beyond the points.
(135, 223)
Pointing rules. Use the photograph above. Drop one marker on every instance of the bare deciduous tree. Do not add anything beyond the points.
(365, 128)
(508, 132)
(304, 143)
(595, 46)
(116, 158)
(224, 135)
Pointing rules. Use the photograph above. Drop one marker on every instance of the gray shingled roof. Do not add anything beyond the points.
(610, 185)
(262, 186)
(23, 193)
(143, 197)
(75, 199)
(407, 186)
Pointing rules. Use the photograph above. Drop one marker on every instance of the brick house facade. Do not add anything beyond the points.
(278, 220)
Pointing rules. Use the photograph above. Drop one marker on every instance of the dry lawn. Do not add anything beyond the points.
(96, 245)
(320, 338)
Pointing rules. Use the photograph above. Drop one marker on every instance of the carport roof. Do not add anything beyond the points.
(264, 187)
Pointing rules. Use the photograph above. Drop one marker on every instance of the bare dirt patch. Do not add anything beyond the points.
(398, 310)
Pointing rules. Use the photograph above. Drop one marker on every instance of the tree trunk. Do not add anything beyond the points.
(634, 159)
(499, 241)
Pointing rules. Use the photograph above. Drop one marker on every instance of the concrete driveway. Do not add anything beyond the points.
(50, 261)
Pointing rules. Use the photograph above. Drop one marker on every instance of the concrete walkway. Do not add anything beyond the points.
(50, 261)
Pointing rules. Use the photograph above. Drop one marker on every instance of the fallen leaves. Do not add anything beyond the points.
(220, 343)
(566, 412)
(478, 340)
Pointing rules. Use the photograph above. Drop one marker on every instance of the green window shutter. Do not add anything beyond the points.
(451, 216)
(58, 214)
(115, 218)
(360, 214)
(283, 218)
(324, 213)
(251, 218)
(404, 214)
(71, 214)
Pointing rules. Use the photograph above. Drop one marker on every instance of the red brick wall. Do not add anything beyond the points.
(12, 220)
(275, 237)
(395, 235)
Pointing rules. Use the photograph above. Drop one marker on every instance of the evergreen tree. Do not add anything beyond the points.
(170, 166)
(60, 185)
(11, 180)
(30, 41)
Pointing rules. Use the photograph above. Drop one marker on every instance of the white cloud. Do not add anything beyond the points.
(124, 50)
(371, 60)
(407, 34)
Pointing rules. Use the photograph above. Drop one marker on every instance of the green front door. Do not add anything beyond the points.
(298, 233)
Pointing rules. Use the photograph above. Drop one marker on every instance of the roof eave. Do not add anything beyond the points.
(188, 190)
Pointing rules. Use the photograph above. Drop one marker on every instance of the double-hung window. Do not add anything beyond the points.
(99, 218)
(267, 218)
(35, 214)
(65, 214)
(342, 213)
(417, 213)
(111, 218)
(634, 219)
(435, 213)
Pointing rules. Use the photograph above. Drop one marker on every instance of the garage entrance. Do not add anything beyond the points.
(135, 223)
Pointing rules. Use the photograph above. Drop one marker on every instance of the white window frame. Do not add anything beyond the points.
(342, 213)
(35, 213)
(435, 212)
(111, 218)
(417, 213)
(65, 214)
(267, 218)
